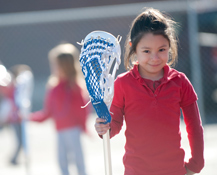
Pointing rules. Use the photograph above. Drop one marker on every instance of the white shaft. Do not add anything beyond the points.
(107, 153)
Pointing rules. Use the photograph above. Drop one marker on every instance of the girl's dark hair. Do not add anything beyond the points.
(150, 21)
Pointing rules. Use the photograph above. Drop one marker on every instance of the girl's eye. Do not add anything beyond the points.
(161, 50)
(146, 51)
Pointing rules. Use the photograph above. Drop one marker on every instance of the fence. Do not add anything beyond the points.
(27, 37)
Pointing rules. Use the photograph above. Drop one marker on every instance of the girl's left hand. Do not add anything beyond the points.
(189, 172)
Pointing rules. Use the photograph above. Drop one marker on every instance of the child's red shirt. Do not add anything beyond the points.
(63, 103)
(152, 117)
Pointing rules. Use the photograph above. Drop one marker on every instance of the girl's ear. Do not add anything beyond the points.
(130, 43)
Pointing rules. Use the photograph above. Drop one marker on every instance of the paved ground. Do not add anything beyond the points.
(42, 151)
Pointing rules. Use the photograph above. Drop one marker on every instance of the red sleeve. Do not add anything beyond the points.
(117, 120)
(195, 136)
(117, 108)
(188, 93)
(118, 99)
(42, 115)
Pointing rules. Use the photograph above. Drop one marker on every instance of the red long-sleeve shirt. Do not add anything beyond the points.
(152, 116)
(12, 114)
(63, 103)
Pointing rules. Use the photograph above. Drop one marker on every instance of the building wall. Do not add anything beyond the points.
(10, 6)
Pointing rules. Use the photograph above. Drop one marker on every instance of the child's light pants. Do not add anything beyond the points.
(70, 149)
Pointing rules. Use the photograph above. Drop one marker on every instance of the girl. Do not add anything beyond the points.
(149, 97)
(17, 92)
(63, 103)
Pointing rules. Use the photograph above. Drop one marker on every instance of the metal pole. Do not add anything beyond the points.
(107, 153)
(196, 70)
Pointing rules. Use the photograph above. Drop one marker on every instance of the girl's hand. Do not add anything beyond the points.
(189, 172)
(101, 128)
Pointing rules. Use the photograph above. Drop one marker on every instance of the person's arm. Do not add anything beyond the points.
(195, 136)
(117, 115)
(39, 116)
(42, 115)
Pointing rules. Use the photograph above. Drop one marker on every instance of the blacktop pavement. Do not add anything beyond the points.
(41, 139)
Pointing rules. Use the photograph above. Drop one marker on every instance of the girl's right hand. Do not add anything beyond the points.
(101, 128)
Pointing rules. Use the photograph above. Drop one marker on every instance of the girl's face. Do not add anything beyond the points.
(60, 73)
(152, 53)
(57, 70)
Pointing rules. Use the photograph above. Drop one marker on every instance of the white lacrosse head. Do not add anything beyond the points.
(109, 37)
(109, 48)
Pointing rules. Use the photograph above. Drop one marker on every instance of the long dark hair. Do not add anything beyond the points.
(155, 22)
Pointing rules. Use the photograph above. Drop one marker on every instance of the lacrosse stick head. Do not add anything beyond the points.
(99, 60)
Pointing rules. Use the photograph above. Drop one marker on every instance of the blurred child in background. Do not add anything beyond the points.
(63, 102)
(16, 103)
(22, 81)
(5, 102)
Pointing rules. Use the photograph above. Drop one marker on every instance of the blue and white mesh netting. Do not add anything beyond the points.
(99, 51)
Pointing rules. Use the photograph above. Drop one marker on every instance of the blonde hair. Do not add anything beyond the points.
(65, 56)
(19, 68)
(157, 23)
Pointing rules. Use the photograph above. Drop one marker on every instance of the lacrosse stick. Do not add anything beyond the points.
(100, 53)
(23, 94)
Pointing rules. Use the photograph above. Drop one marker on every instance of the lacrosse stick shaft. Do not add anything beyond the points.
(107, 153)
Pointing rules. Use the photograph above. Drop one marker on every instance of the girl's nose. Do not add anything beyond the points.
(154, 56)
